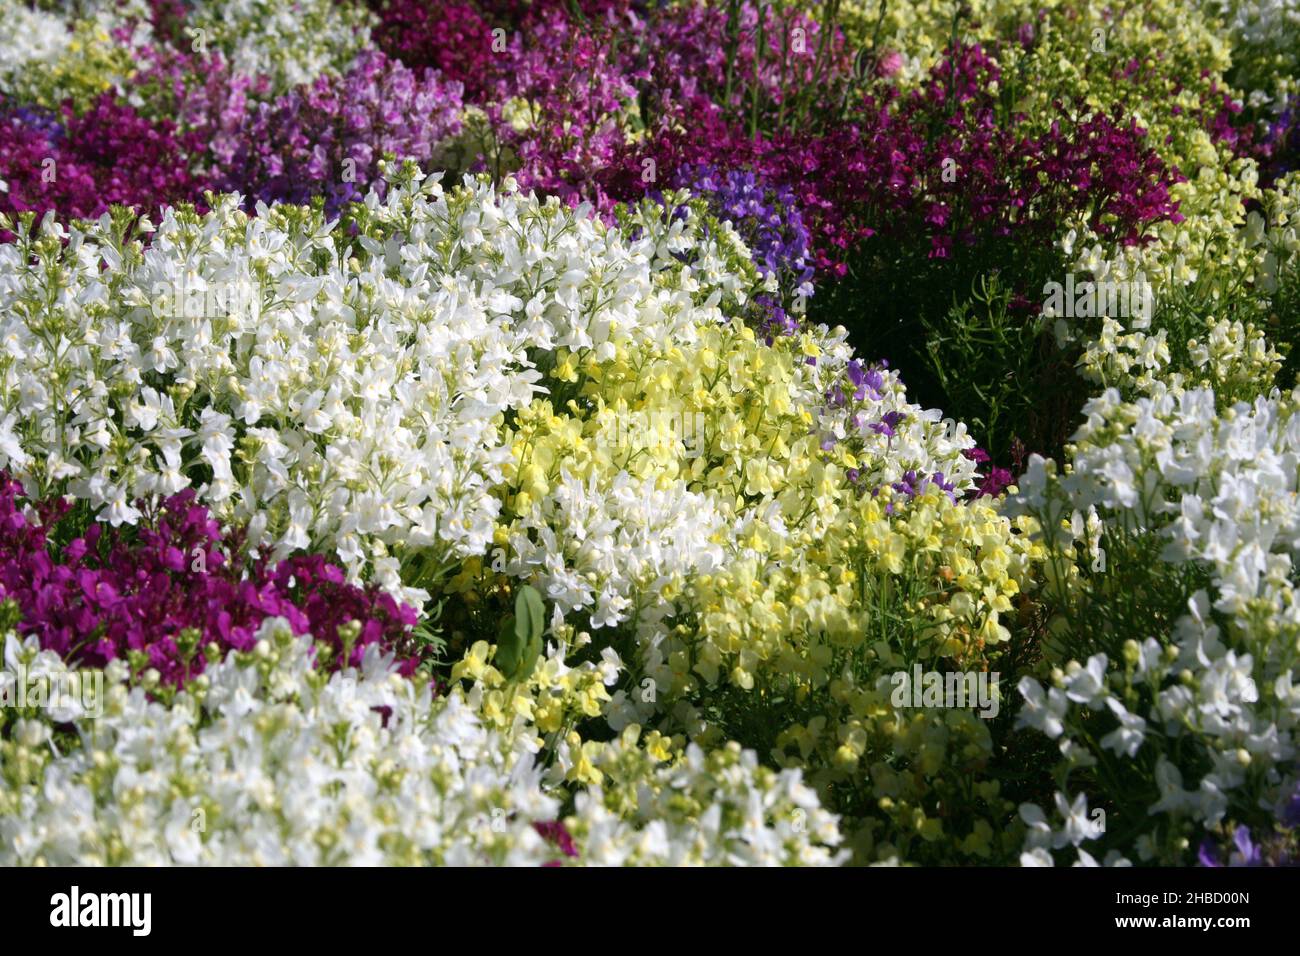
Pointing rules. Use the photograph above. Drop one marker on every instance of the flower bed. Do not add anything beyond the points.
(606, 432)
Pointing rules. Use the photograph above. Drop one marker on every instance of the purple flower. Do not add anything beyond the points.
(1208, 853)
(554, 831)
(767, 216)
(1290, 815)
(326, 138)
(1247, 852)
(172, 585)
(994, 483)
(910, 485)
(888, 423)
(109, 154)
(868, 381)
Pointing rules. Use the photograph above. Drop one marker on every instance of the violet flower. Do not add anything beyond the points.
(172, 585)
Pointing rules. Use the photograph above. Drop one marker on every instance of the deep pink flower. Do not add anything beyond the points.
(110, 592)
(79, 165)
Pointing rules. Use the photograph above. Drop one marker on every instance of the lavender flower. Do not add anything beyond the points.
(327, 138)
(768, 218)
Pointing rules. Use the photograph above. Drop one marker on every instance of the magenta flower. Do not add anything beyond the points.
(327, 138)
(554, 831)
(77, 166)
(173, 585)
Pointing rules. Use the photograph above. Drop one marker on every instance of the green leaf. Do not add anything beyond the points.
(529, 604)
(520, 644)
(510, 647)
(531, 653)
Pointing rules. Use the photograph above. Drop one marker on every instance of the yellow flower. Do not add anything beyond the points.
(473, 664)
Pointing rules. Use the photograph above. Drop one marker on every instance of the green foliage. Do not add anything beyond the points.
(519, 638)
(1002, 371)
(966, 333)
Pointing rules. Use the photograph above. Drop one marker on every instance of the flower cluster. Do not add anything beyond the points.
(475, 432)
(558, 109)
(455, 38)
(49, 60)
(160, 599)
(769, 222)
(1206, 699)
(290, 41)
(359, 767)
(265, 760)
(327, 138)
(37, 38)
(79, 165)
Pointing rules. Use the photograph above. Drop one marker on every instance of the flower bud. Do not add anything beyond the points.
(1132, 652)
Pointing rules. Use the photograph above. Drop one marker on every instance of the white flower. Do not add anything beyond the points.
(1078, 825)
(1042, 712)
(1040, 831)
(1128, 737)
(1086, 685)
